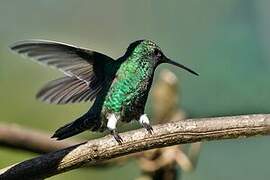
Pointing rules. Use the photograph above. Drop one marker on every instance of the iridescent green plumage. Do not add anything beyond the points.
(119, 87)
(132, 78)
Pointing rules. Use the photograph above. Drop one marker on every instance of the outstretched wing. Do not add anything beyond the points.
(84, 69)
(67, 90)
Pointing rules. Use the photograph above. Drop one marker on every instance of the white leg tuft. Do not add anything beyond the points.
(112, 121)
(144, 119)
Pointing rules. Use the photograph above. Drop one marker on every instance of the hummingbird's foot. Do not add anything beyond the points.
(111, 125)
(144, 121)
(117, 137)
(148, 127)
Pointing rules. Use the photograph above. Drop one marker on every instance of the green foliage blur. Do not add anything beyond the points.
(226, 41)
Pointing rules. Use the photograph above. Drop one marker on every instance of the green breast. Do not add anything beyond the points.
(131, 81)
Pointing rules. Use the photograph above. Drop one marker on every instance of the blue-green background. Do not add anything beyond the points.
(226, 41)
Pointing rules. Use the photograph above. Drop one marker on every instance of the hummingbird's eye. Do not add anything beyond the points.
(157, 53)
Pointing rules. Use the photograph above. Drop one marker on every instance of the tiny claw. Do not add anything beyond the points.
(148, 127)
(117, 137)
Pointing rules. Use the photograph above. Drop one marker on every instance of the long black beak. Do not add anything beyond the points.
(167, 60)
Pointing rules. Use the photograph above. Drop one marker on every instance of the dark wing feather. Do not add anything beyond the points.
(83, 67)
(66, 90)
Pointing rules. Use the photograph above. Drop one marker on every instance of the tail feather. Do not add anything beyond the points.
(81, 124)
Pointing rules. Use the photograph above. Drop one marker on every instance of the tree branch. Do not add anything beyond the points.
(181, 132)
(19, 137)
(16, 136)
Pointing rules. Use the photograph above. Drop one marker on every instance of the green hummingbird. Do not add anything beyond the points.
(119, 88)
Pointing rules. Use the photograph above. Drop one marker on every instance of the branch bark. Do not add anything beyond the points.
(181, 132)
(12, 135)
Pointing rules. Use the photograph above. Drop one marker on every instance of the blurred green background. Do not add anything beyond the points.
(226, 41)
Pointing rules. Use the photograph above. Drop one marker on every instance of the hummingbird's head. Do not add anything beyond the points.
(151, 51)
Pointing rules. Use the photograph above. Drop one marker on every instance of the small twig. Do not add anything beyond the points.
(193, 154)
(181, 132)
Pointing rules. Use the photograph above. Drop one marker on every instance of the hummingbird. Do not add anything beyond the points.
(118, 87)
